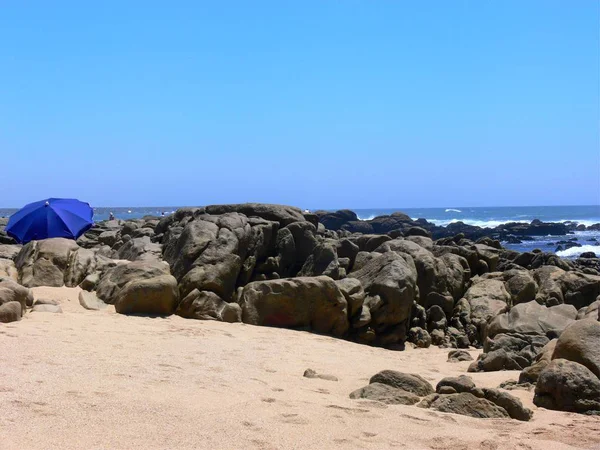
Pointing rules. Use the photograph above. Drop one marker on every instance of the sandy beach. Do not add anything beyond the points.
(97, 379)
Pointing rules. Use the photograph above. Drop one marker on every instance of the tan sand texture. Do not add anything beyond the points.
(98, 380)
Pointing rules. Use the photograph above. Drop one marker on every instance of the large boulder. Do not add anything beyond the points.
(10, 312)
(465, 404)
(567, 386)
(408, 382)
(315, 303)
(140, 249)
(590, 312)
(386, 394)
(14, 292)
(559, 286)
(533, 319)
(431, 271)
(580, 342)
(206, 305)
(487, 298)
(521, 285)
(140, 287)
(44, 263)
(390, 284)
(335, 220)
(322, 261)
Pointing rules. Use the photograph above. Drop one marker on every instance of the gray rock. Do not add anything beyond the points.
(385, 394)
(495, 360)
(531, 374)
(10, 312)
(580, 342)
(322, 261)
(459, 355)
(14, 292)
(139, 287)
(9, 251)
(8, 270)
(305, 302)
(487, 298)
(465, 404)
(533, 319)
(89, 301)
(206, 305)
(567, 386)
(390, 285)
(419, 337)
(510, 403)
(458, 384)
(310, 373)
(47, 308)
(285, 215)
(413, 383)
(354, 294)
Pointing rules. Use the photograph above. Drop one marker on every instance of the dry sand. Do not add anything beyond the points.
(97, 379)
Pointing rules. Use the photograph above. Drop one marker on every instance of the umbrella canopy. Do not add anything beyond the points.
(54, 217)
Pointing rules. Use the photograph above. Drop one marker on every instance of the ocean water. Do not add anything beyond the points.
(480, 216)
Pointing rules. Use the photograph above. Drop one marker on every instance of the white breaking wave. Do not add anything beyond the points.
(371, 217)
(587, 223)
(453, 210)
(576, 251)
(476, 223)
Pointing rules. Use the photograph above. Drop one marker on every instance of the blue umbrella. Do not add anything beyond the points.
(54, 217)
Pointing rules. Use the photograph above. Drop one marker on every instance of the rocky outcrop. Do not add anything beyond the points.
(57, 262)
(514, 339)
(284, 215)
(313, 303)
(390, 284)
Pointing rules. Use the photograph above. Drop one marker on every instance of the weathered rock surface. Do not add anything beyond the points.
(140, 287)
(465, 404)
(206, 305)
(389, 282)
(10, 312)
(8, 270)
(315, 303)
(408, 382)
(14, 292)
(567, 386)
(580, 342)
(310, 373)
(386, 394)
(90, 301)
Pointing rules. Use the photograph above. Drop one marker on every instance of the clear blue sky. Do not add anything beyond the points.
(319, 104)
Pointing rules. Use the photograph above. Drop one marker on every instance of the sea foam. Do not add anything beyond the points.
(453, 210)
(576, 251)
